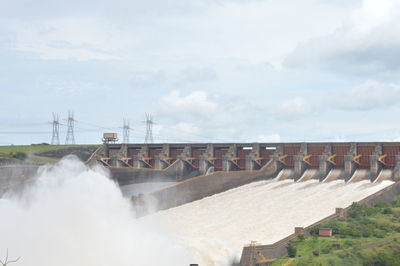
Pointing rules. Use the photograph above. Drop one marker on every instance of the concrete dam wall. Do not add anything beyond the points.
(202, 170)
(307, 160)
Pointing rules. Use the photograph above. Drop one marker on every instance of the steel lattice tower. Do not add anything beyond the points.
(70, 139)
(126, 128)
(55, 138)
(149, 129)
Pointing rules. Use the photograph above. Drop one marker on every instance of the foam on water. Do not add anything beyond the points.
(74, 216)
(217, 227)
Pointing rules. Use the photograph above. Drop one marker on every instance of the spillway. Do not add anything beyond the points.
(216, 228)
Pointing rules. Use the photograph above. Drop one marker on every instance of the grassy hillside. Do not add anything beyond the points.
(43, 153)
(368, 236)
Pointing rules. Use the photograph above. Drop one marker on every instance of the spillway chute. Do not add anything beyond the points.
(384, 174)
(285, 174)
(359, 175)
(334, 174)
(308, 175)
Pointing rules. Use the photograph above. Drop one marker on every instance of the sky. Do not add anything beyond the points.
(206, 70)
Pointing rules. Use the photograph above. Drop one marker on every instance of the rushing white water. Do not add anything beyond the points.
(74, 216)
(217, 227)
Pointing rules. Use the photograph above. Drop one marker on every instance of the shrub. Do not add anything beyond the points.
(314, 231)
(19, 155)
(358, 211)
(379, 234)
(292, 251)
(326, 250)
(316, 252)
(348, 243)
(387, 210)
(300, 238)
(382, 205)
(396, 202)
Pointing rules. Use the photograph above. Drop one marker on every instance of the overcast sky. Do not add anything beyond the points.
(207, 70)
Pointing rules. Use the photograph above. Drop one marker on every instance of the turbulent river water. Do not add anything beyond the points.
(72, 215)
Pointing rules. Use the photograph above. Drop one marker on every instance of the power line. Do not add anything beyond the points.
(70, 139)
(55, 138)
(94, 125)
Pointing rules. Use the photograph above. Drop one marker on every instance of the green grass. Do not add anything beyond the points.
(36, 148)
(378, 226)
(32, 152)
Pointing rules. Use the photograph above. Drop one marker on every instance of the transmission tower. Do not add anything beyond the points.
(70, 132)
(126, 128)
(149, 129)
(55, 138)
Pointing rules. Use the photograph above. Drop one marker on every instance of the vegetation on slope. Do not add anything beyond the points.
(42, 153)
(367, 236)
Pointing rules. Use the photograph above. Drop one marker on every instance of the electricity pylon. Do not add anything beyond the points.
(55, 138)
(70, 139)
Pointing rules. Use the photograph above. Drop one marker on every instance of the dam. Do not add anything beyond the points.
(227, 195)
(302, 161)
(213, 199)
(202, 170)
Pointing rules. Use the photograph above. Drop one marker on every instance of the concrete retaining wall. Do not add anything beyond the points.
(178, 171)
(200, 187)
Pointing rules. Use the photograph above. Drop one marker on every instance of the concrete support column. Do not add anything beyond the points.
(353, 149)
(144, 151)
(349, 167)
(250, 159)
(299, 166)
(375, 166)
(324, 167)
(137, 163)
(204, 165)
(227, 163)
(303, 149)
(396, 171)
(250, 163)
(159, 163)
(106, 150)
(165, 150)
(187, 152)
(256, 149)
(204, 160)
(123, 151)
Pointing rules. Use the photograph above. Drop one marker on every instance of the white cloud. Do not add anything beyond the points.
(368, 43)
(198, 115)
(367, 96)
(197, 74)
(71, 87)
(292, 109)
(195, 105)
(69, 38)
